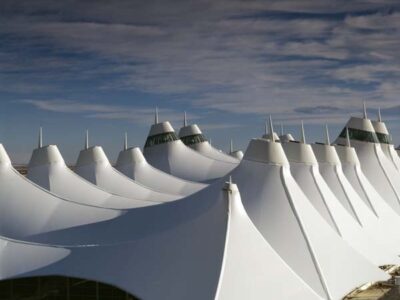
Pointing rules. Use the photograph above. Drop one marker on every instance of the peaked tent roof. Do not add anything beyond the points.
(27, 209)
(305, 170)
(287, 220)
(385, 142)
(133, 164)
(331, 170)
(47, 168)
(376, 166)
(352, 170)
(164, 151)
(200, 144)
(236, 263)
(94, 166)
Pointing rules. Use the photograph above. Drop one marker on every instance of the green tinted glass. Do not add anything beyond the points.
(193, 139)
(160, 139)
(360, 135)
(383, 138)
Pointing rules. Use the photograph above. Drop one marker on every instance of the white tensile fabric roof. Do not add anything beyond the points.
(287, 220)
(331, 170)
(305, 224)
(209, 241)
(27, 209)
(380, 171)
(48, 169)
(94, 166)
(388, 149)
(352, 170)
(175, 158)
(204, 147)
(133, 164)
(305, 170)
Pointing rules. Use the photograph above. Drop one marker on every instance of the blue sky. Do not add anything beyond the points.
(105, 65)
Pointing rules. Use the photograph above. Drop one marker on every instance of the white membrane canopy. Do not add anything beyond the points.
(48, 169)
(379, 170)
(166, 152)
(94, 166)
(294, 228)
(133, 164)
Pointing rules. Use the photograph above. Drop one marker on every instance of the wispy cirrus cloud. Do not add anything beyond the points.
(139, 115)
(291, 58)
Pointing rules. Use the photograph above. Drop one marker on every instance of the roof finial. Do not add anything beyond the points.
(87, 140)
(184, 119)
(40, 141)
(126, 141)
(303, 135)
(231, 149)
(156, 116)
(271, 129)
(266, 128)
(379, 115)
(327, 138)
(282, 129)
(347, 137)
(365, 110)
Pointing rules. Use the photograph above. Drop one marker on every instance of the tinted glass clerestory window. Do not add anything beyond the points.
(162, 138)
(193, 139)
(360, 135)
(383, 138)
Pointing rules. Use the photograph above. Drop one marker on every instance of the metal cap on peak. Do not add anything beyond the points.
(92, 155)
(46, 155)
(160, 128)
(325, 153)
(130, 156)
(265, 151)
(286, 138)
(188, 130)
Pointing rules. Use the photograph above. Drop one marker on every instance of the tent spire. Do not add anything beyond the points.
(282, 129)
(231, 149)
(266, 128)
(156, 116)
(365, 110)
(184, 119)
(126, 141)
(209, 140)
(87, 140)
(347, 137)
(327, 138)
(271, 129)
(379, 115)
(303, 135)
(40, 141)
